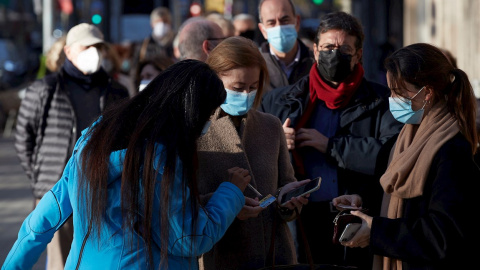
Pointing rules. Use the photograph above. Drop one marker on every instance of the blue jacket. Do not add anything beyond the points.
(114, 250)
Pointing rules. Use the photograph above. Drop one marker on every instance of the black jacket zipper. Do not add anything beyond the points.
(83, 246)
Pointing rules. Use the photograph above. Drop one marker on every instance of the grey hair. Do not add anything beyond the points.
(192, 36)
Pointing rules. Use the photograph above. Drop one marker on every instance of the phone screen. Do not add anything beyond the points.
(302, 190)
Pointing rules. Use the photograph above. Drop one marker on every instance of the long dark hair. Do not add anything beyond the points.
(423, 64)
(171, 110)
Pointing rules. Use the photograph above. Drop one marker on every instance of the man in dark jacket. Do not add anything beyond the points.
(338, 126)
(288, 59)
(160, 41)
(52, 115)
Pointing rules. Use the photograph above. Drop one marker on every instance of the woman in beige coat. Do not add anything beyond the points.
(239, 135)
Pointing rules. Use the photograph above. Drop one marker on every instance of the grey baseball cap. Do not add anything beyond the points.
(84, 34)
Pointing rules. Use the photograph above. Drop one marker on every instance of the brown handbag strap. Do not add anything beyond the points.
(271, 252)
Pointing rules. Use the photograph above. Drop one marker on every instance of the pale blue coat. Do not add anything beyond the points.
(114, 251)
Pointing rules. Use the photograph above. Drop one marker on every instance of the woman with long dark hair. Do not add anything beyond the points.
(131, 183)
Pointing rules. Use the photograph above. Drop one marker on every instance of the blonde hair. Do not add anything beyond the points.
(55, 56)
(236, 52)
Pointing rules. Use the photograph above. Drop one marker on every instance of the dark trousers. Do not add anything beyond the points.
(317, 220)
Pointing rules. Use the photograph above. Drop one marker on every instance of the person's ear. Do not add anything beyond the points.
(316, 51)
(359, 55)
(205, 48)
(428, 93)
(263, 30)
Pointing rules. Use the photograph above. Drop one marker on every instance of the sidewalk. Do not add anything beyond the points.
(16, 199)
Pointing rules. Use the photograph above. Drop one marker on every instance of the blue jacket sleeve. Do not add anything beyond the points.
(38, 228)
(211, 224)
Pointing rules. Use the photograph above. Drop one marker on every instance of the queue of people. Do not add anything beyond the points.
(184, 167)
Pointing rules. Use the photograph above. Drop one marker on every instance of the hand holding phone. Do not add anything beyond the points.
(303, 190)
(349, 232)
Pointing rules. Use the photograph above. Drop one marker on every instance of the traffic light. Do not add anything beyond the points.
(96, 18)
(97, 11)
(317, 2)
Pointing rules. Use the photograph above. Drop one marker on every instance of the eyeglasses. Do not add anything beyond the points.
(345, 49)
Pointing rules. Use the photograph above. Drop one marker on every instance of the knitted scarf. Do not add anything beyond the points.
(408, 170)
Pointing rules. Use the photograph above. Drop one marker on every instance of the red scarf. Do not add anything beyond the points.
(334, 98)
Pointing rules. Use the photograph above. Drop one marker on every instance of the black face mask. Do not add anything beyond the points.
(334, 65)
(250, 34)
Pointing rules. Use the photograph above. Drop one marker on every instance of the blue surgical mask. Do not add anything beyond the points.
(238, 103)
(401, 109)
(282, 37)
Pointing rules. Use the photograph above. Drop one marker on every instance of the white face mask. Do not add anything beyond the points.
(143, 84)
(89, 60)
(160, 29)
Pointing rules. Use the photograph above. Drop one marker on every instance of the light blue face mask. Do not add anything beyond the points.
(238, 103)
(282, 37)
(401, 109)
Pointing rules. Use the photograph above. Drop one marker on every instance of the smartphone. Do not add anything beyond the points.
(349, 232)
(301, 190)
(344, 207)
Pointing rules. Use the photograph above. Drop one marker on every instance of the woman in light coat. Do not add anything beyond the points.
(239, 135)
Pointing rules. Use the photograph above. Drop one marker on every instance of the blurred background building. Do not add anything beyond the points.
(29, 28)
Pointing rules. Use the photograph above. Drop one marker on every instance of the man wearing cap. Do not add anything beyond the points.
(52, 115)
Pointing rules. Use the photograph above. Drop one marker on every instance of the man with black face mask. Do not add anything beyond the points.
(337, 126)
(244, 25)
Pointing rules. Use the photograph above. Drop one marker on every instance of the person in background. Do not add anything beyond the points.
(54, 111)
(52, 60)
(197, 37)
(112, 64)
(55, 56)
(131, 183)
(245, 25)
(148, 69)
(239, 135)
(288, 59)
(338, 126)
(161, 39)
(228, 29)
(431, 179)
